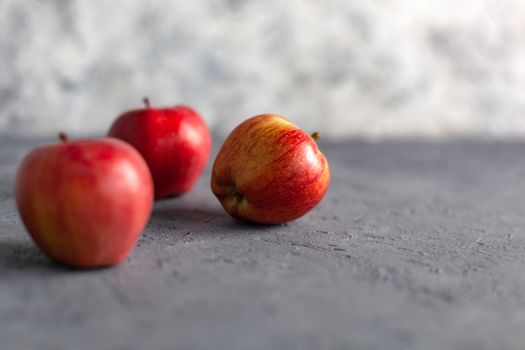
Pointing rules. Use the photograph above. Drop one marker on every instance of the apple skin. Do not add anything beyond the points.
(175, 142)
(86, 202)
(269, 171)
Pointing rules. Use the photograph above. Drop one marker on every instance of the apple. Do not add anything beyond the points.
(86, 202)
(174, 141)
(269, 171)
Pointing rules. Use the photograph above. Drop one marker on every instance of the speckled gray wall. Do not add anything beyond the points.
(369, 68)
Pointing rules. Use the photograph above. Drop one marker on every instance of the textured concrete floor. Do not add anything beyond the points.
(416, 246)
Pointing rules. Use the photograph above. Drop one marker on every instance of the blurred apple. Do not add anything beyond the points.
(269, 171)
(86, 202)
(174, 141)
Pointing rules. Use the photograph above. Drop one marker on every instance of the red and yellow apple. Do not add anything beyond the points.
(269, 171)
(86, 202)
(174, 141)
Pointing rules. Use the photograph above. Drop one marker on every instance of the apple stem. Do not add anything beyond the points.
(316, 135)
(62, 136)
(146, 102)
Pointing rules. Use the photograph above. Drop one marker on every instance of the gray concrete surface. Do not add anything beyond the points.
(416, 246)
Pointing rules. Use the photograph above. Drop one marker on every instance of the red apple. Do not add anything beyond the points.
(85, 202)
(175, 142)
(269, 171)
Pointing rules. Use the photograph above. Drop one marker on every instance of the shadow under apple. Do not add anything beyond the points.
(205, 219)
(20, 256)
(24, 257)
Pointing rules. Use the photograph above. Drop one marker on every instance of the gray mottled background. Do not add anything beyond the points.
(369, 68)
